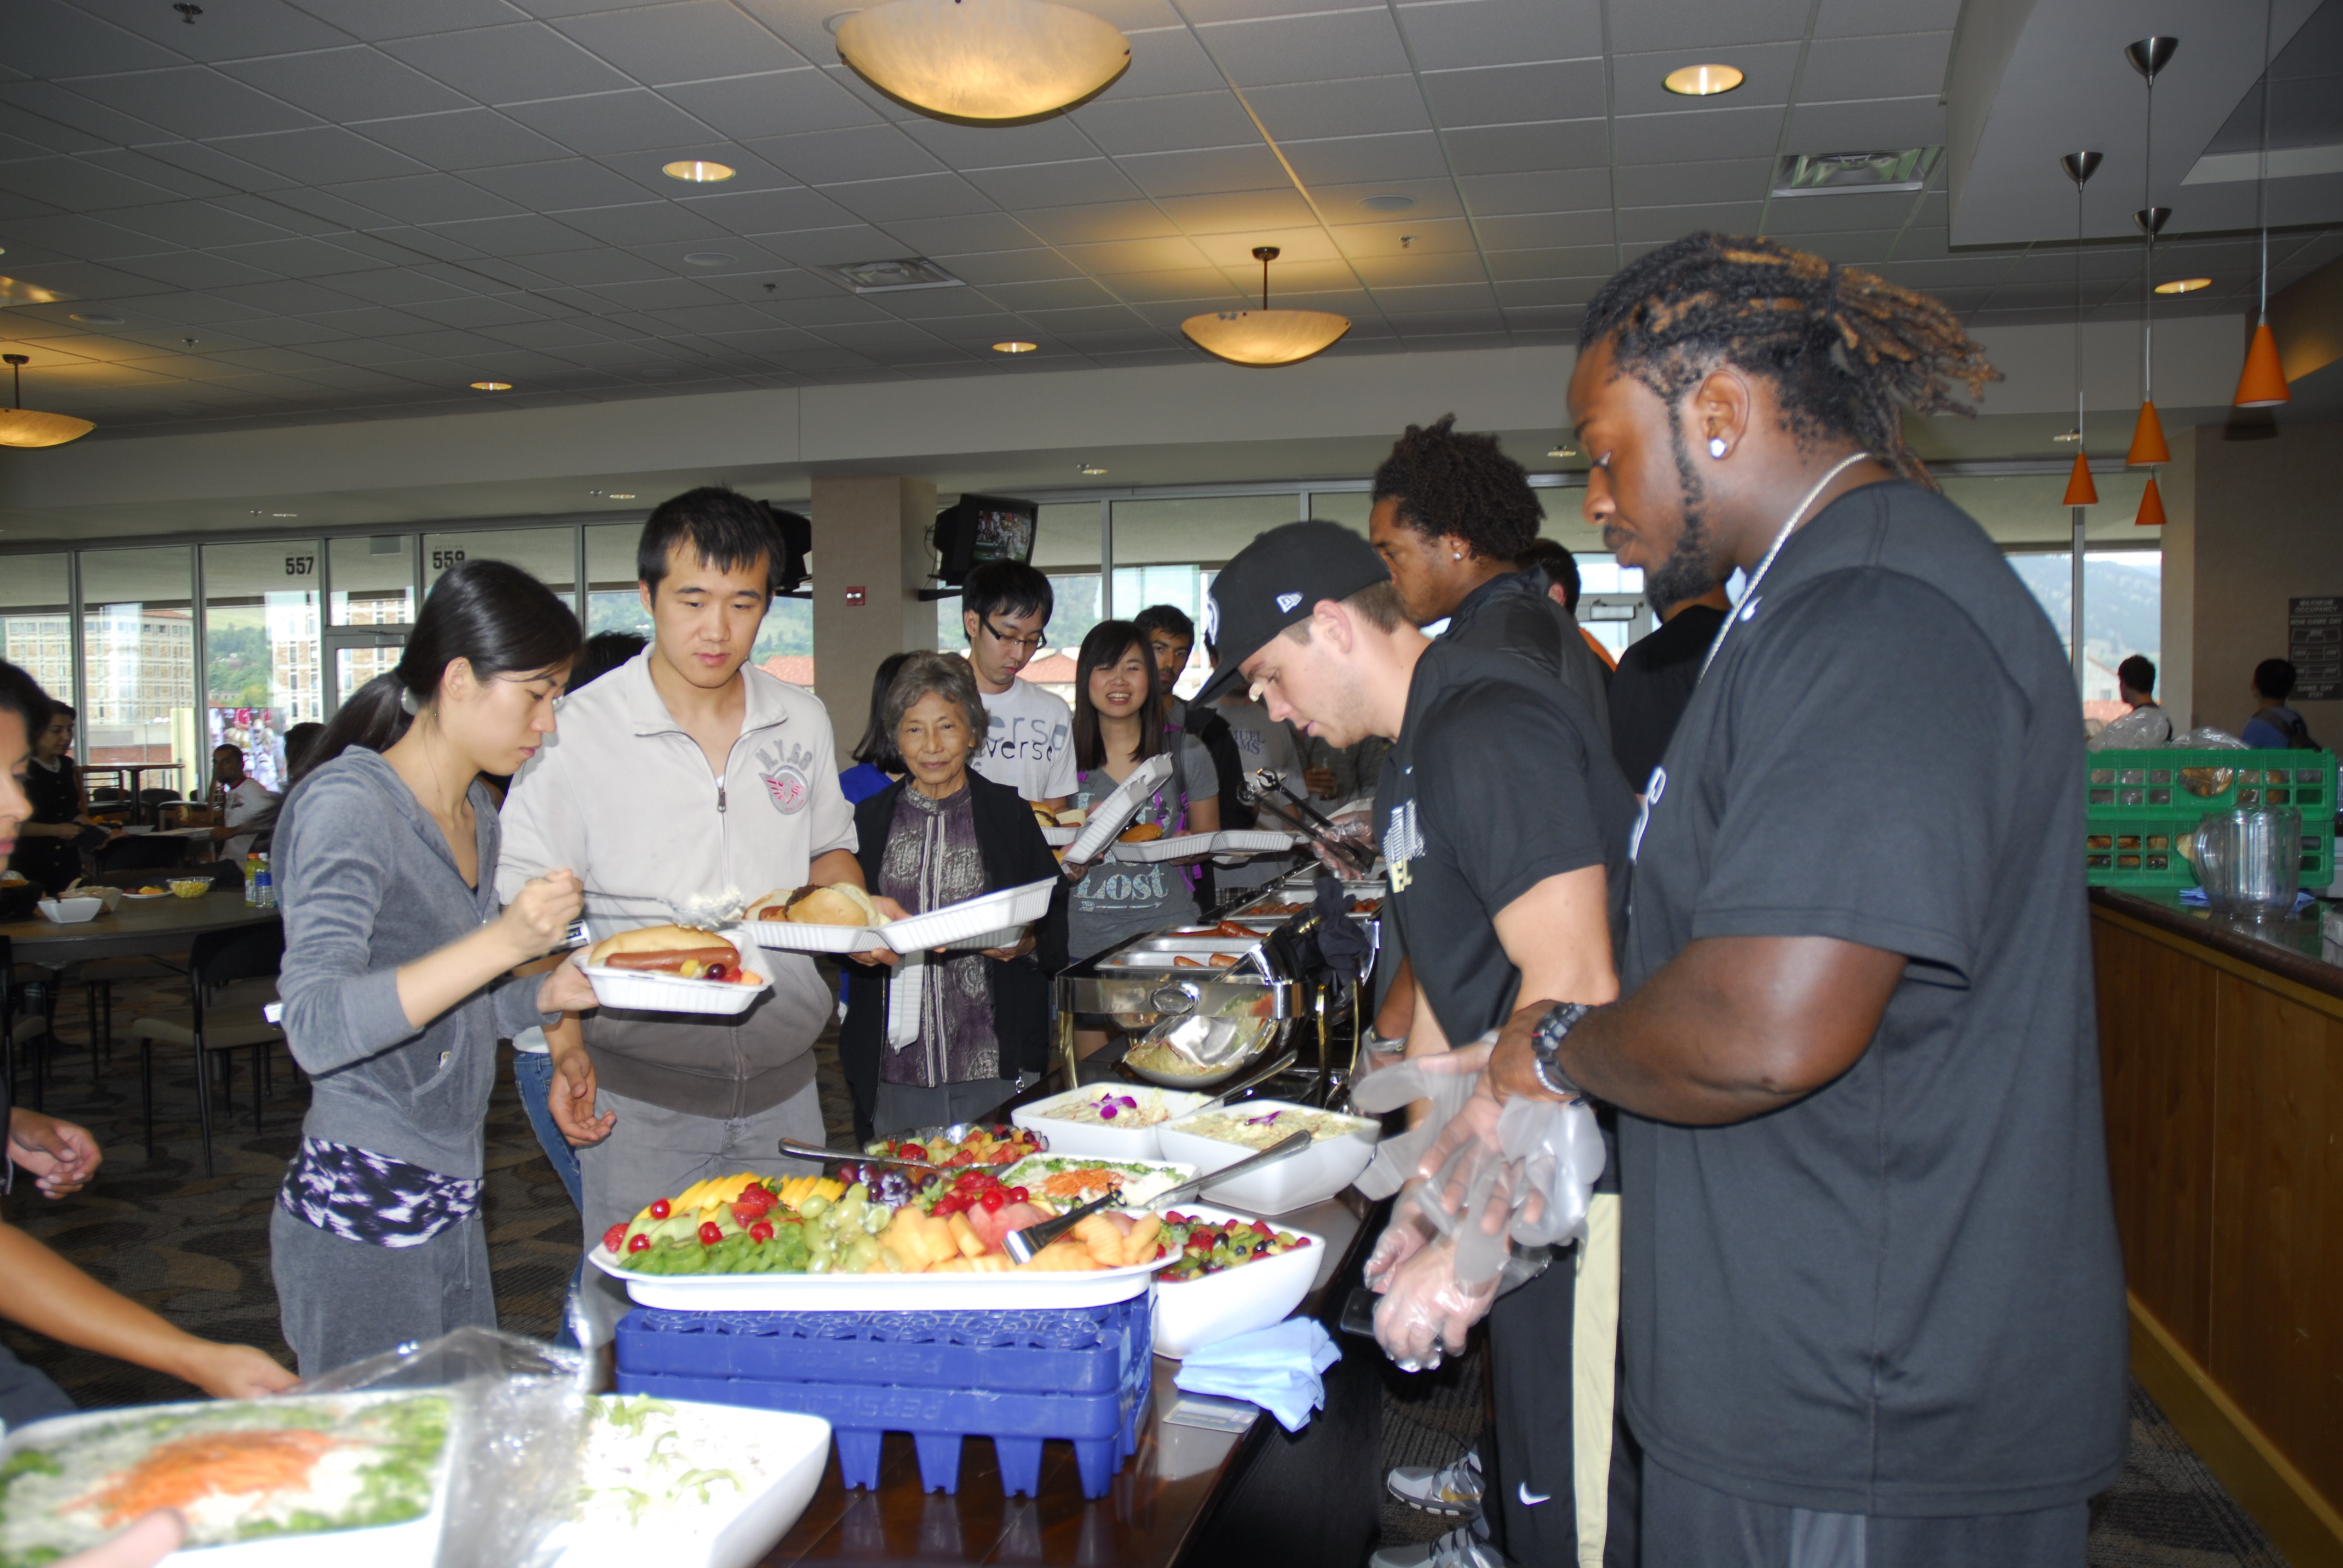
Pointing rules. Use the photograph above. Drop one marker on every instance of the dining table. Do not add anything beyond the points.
(134, 927)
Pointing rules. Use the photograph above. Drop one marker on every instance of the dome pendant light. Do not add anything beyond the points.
(2080, 491)
(2262, 383)
(1266, 336)
(983, 62)
(2148, 56)
(22, 427)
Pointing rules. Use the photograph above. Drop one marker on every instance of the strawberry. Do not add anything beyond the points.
(615, 1236)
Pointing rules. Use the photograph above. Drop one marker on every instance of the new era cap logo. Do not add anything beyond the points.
(1286, 602)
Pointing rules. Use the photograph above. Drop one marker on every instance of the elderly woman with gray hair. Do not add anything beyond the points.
(944, 833)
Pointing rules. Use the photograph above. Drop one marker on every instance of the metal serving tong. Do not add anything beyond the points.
(1023, 1244)
(798, 1151)
(1269, 792)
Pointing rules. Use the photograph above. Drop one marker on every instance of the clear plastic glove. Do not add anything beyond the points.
(1427, 1311)
(1349, 829)
(1406, 1235)
(1387, 1088)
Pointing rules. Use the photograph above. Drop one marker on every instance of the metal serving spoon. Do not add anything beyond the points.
(1023, 1244)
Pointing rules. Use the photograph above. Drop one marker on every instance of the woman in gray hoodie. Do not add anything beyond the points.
(396, 978)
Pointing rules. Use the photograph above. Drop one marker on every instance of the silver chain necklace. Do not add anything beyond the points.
(1749, 595)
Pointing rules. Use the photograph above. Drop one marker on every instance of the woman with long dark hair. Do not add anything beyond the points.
(397, 977)
(877, 763)
(1118, 724)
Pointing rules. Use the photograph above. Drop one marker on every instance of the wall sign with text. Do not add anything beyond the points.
(2314, 646)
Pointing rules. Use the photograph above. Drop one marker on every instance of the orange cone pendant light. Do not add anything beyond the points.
(2080, 491)
(2147, 56)
(2148, 438)
(2262, 383)
(2151, 506)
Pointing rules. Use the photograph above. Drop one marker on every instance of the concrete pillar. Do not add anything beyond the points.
(870, 560)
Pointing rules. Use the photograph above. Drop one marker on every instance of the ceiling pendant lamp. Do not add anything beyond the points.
(2262, 383)
(2080, 490)
(2148, 56)
(983, 62)
(2151, 506)
(1266, 336)
(23, 426)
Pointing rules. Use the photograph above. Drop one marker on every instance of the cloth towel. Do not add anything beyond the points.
(1275, 1368)
(2195, 898)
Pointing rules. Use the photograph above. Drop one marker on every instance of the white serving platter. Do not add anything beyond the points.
(731, 1530)
(986, 916)
(952, 1292)
(648, 990)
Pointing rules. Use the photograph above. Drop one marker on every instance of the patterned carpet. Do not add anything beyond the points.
(196, 1248)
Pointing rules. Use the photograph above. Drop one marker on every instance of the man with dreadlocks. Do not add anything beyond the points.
(1872, 1302)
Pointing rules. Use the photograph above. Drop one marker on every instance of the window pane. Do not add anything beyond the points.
(1348, 507)
(1168, 552)
(784, 644)
(138, 655)
(374, 583)
(1611, 601)
(260, 650)
(2123, 613)
(548, 555)
(37, 619)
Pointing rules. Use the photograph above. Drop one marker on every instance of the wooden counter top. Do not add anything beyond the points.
(2293, 950)
(1189, 1494)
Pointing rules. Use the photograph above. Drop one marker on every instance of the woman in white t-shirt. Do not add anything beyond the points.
(1117, 724)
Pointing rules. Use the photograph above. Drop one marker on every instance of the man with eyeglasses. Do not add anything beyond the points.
(1004, 606)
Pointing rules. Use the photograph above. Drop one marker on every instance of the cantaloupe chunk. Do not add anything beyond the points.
(971, 1245)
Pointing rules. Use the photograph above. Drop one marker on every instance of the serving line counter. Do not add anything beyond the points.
(2221, 1051)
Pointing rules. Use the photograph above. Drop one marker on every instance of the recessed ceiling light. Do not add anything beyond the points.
(1563, 452)
(2069, 436)
(491, 385)
(1702, 81)
(1015, 346)
(711, 258)
(2178, 285)
(95, 318)
(284, 514)
(1391, 202)
(622, 494)
(1092, 469)
(698, 171)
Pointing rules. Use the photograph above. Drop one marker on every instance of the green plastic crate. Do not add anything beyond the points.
(2141, 807)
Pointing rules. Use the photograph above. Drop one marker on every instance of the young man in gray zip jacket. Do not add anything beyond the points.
(683, 773)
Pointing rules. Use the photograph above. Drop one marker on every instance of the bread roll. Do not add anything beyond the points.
(843, 904)
(673, 950)
(1043, 815)
(1142, 833)
(1074, 817)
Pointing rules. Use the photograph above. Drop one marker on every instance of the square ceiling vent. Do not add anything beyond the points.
(1837, 173)
(893, 276)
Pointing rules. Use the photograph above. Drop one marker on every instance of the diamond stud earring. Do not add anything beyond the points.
(1716, 447)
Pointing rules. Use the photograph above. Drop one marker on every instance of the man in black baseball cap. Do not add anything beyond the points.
(1503, 822)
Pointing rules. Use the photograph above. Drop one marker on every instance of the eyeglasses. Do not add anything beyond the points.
(1030, 644)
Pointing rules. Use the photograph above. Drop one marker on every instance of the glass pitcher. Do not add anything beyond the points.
(2250, 862)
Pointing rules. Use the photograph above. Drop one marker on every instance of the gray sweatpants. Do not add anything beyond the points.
(342, 1301)
(655, 1153)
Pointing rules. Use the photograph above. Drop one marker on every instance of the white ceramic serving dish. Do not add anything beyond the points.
(1005, 913)
(71, 912)
(875, 1293)
(1192, 1313)
(647, 991)
(1110, 816)
(381, 1546)
(731, 1530)
(1102, 1140)
(1312, 1176)
(1183, 847)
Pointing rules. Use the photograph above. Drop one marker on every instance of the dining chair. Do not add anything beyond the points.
(231, 976)
(35, 1029)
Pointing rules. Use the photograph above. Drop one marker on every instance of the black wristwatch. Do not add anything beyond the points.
(1545, 1046)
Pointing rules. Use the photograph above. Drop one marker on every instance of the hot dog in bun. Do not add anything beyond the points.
(670, 949)
(841, 905)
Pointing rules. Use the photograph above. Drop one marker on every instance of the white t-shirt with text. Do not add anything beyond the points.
(1030, 742)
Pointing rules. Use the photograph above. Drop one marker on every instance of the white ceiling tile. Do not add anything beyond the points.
(962, 234)
(1206, 169)
(228, 32)
(426, 199)
(467, 139)
(634, 121)
(1693, 134)
(528, 235)
(769, 211)
(1310, 48)
(373, 21)
(1055, 184)
(557, 185)
(1171, 123)
(1186, 289)
(696, 40)
(778, 104)
(1098, 221)
(909, 197)
(603, 264)
(346, 84)
(1411, 272)
(1309, 110)
(1904, 66)
(1770, 68)
(404, 286)
(1237, 212)
(1458, 32)
(1343, 204)
(321, 155)
(1166, 60)
(1307, 257)
(966, 148)
(70, 109)
(1513, 149)
(193, 223)
(985, 268)
(194, 101)
(192, 269)
(1137, 255)
(1645, 223)
(76, 185)
(1847, 127)
(1848, 247)
(831, 247)
(138, 164)
(644, 223)
(1549, 291)
(1346, 160)
(1676, 185)
(21, 125)
(866, 335)
(287, 298)
(859, 152)
(1055, 294)
(1509, 94)
(510, 65)
(1560, 261)
(1543, 232)
(1713, 26)
(1842, 19)
(50, 38)
(1838, 214)
(1922, 243)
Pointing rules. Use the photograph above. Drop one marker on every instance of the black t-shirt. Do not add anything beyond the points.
(1510, 614)
(1901, 1294)
(1494, 784)
(1652, 683)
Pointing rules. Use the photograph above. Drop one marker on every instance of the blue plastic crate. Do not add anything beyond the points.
(1018, 1378)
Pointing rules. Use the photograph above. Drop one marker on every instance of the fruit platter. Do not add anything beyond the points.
(960, 1145)
(889, 1239)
